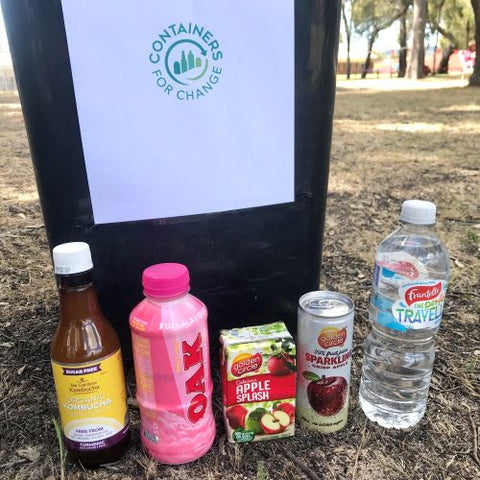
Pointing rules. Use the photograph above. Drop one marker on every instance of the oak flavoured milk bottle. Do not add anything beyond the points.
(172, 367)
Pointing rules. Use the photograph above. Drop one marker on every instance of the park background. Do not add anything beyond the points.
(393, 138)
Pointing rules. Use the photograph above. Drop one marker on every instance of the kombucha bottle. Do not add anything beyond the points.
(87, 365)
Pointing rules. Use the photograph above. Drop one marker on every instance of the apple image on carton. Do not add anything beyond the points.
(282, 359)
(236, 416)
(288, 408)
(253, 424)
(275, 422)
(253, 420)
(282, 365)
(326, 395)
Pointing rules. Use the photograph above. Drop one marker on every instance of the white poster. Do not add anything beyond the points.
(186, 106)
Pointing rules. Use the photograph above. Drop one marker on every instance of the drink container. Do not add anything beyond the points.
(172, 367)
(408, 291)
(87, 365)
(257, 366)
(324, 355)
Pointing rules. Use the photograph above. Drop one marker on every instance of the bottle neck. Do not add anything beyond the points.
(415, 228)
(166, 299)
(78, 297)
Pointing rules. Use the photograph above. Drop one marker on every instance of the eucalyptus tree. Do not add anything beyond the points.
(475, 78)
(347, 17)
(417, 53)
(454, 21)
(370, 17)
(402, 39)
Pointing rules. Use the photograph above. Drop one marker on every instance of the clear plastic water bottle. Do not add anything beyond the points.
(409, 285)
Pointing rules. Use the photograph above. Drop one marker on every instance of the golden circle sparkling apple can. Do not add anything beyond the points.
(324, 356)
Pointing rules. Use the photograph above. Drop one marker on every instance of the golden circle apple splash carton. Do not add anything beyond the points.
(258, 368)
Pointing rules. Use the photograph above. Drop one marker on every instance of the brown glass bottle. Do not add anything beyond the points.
(88, 372)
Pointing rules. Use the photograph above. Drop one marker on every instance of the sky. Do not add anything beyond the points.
(387, 40)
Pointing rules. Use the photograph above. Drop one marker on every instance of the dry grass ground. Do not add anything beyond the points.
(389, 144)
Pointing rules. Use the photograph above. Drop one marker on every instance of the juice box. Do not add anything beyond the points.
(258, 369)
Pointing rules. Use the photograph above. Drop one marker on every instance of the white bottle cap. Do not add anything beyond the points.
(418, 212)
(71, 258)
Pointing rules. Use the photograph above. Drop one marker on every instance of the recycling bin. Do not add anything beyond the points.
(196, 132)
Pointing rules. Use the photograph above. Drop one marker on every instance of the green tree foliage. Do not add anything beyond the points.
(370, 17)
(453, 19)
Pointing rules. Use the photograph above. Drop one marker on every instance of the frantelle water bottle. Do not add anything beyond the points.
(406, 305)
(172, 367)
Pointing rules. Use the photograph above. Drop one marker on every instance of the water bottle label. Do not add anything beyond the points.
(420, 304)
(393, 268)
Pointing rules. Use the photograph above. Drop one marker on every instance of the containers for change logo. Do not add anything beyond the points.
(187, 60)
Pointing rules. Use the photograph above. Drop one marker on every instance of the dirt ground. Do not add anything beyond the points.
(392, 141)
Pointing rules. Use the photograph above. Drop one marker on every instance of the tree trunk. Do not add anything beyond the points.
(417, 57)
(349, 66)
(371, 41)
(467, 34)
(447, 53)
(443, 67)
(348, 31)
(402, 56)
(475, 78)
(442, 3)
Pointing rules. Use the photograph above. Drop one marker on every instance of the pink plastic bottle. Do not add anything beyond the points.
(172, 367)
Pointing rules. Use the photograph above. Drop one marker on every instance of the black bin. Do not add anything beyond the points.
(249, 265)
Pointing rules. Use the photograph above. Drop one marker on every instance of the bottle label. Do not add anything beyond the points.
(172, 372)
(92, 402)
(393, 268)
(420, 305)
(324, 362)
(420, 300)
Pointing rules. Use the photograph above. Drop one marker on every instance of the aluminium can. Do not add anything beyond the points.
(324, 356)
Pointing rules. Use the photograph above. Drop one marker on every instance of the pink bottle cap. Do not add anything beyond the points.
(165, 280)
